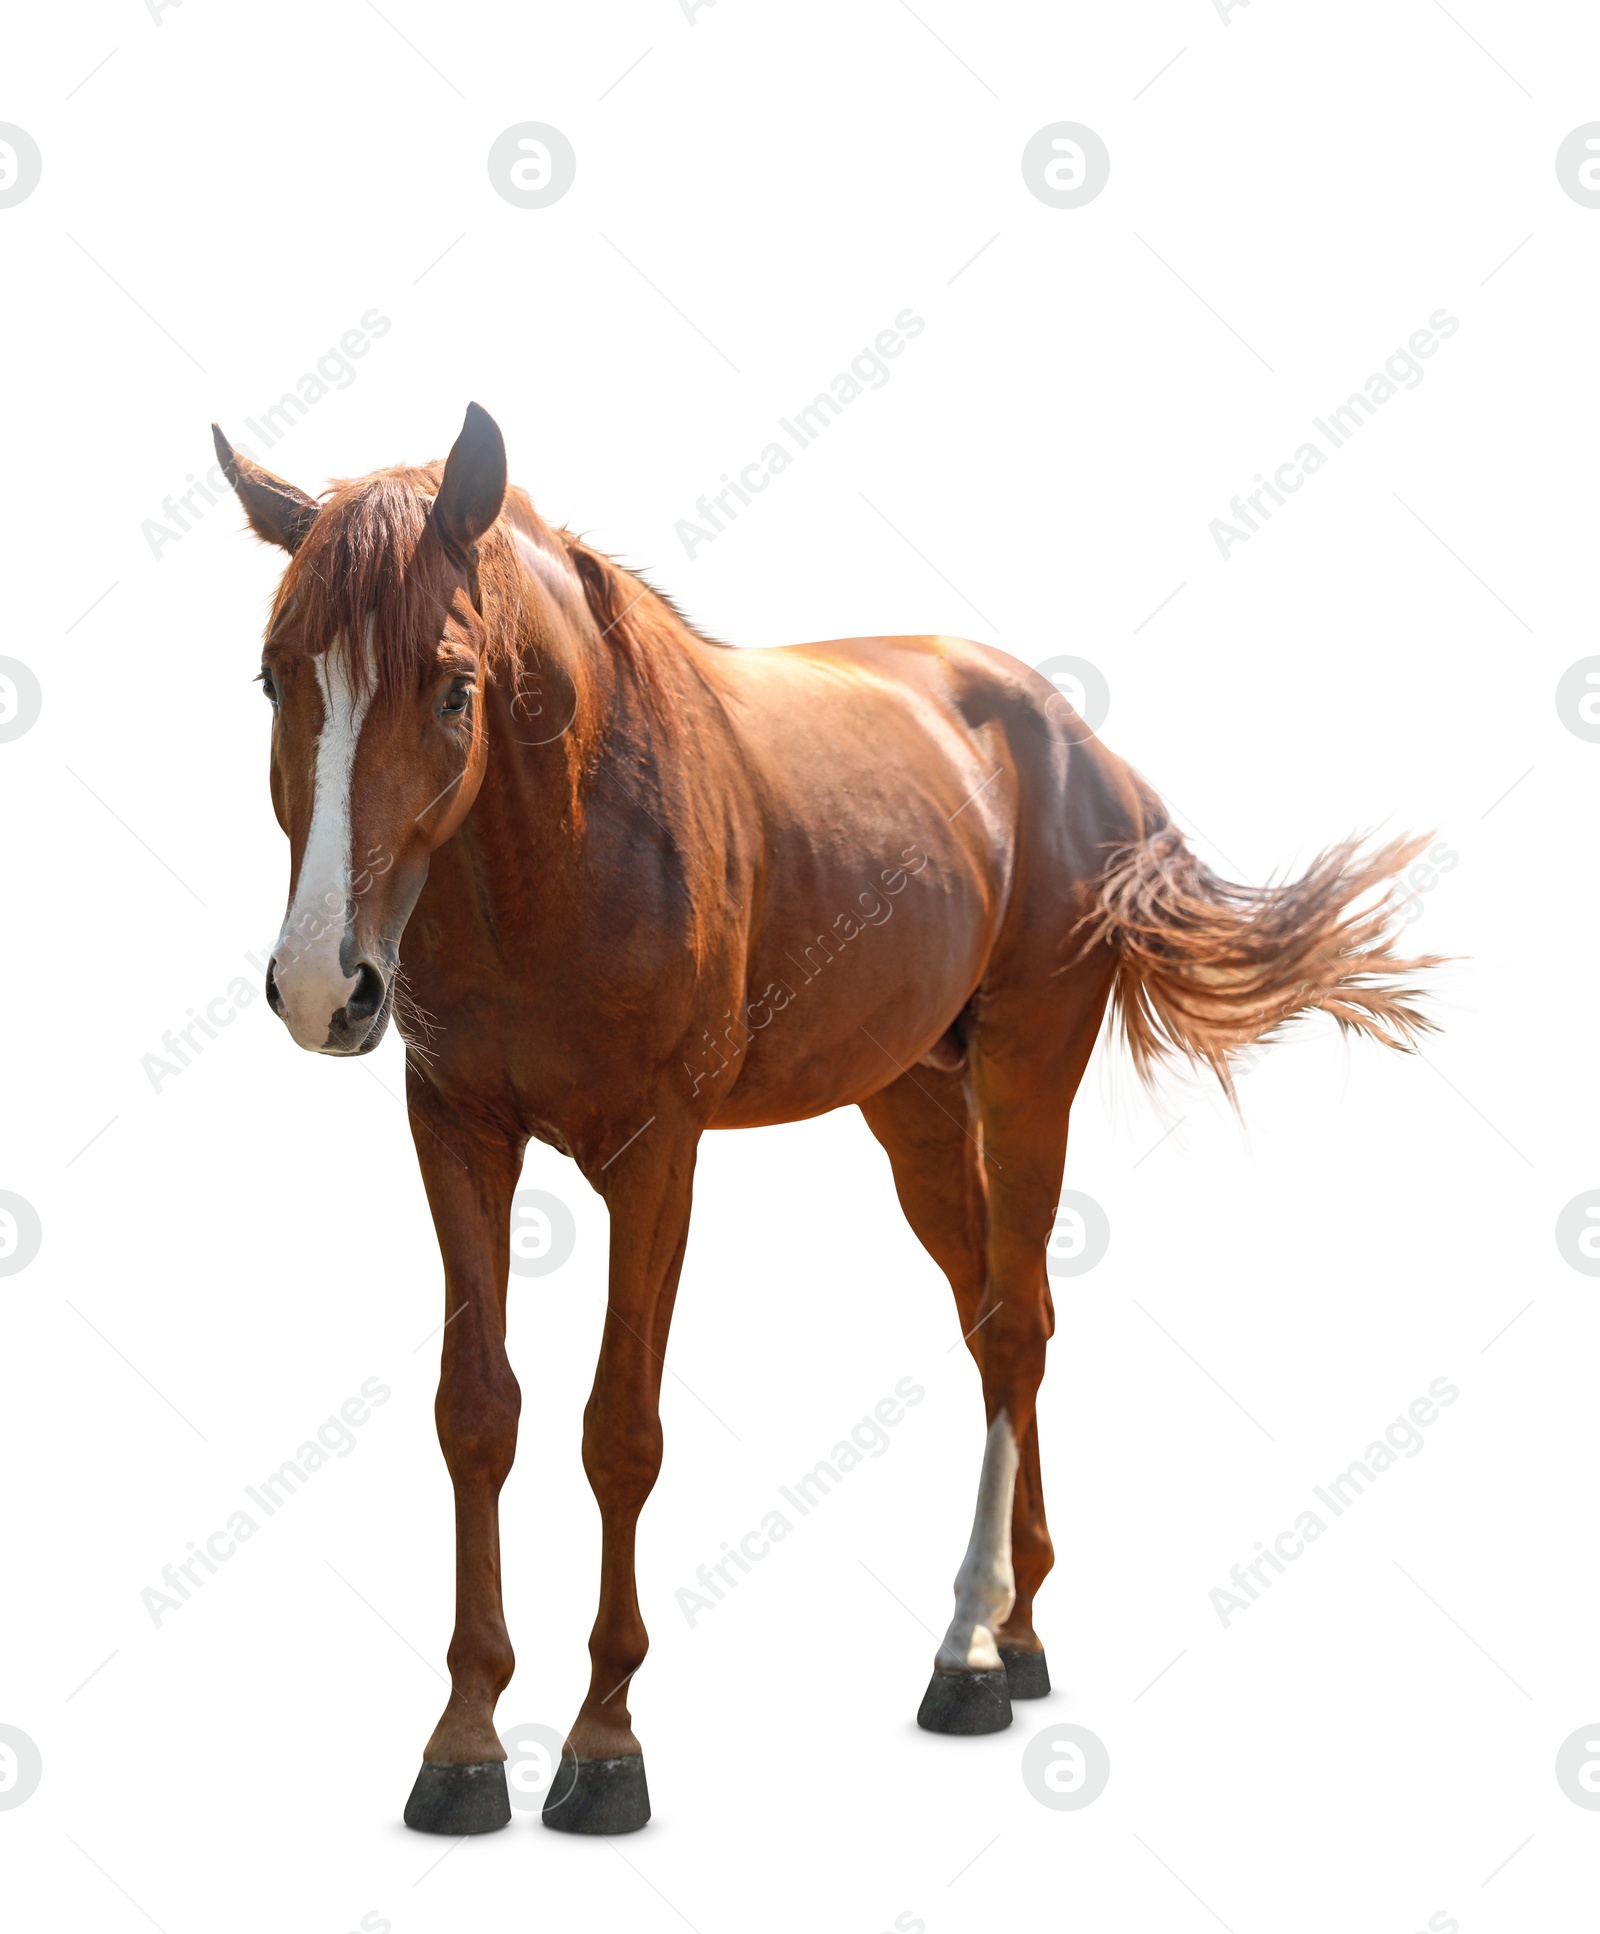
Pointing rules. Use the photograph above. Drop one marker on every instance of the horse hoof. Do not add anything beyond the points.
(598, 1796)
(965, 1702)
(459, 1799)
(1027, 1675)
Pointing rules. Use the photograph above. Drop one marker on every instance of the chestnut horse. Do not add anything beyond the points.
(620, 884)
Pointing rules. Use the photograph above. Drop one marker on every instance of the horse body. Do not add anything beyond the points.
(840, 851)
(920, 846)
(622, 885)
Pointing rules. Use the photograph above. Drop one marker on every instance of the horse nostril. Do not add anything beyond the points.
(368, 995)
(274, 998)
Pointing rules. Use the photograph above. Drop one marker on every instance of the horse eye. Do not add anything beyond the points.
(455, 701)
(269, 688)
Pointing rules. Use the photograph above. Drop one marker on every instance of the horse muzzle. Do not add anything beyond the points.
(326, 1010)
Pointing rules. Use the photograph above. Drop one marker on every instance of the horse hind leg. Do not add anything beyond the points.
(990, 1648)
(929, 1128)
(1032, 1557)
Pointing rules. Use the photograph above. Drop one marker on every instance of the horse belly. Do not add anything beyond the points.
(839, 1004)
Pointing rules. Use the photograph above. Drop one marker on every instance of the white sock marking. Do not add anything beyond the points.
(986, 1586)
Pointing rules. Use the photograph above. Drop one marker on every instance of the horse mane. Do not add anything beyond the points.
(652, 644)
(368, 561)
(615, 592)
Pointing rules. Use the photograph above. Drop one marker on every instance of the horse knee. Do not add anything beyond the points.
(622, 1466)
(477, 1422)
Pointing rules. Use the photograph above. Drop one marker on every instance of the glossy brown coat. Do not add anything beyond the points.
(644, 885)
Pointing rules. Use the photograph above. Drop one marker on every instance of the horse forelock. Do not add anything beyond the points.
(369, 582)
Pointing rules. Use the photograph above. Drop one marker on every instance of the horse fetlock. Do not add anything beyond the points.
(985, 1593)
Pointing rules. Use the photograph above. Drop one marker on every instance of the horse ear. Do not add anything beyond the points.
(474, 484)
(278, 513)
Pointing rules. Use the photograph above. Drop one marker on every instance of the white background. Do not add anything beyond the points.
(1293, 196)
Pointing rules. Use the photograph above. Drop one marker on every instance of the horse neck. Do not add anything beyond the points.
(592, 729)
(567, 684)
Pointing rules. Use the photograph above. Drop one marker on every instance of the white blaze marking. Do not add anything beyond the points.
(310, 980)
(986, 1586)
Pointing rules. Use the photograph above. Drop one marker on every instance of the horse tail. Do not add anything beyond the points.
(1205, 967)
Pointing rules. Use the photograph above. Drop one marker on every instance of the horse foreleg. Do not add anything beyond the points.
(470, 1181)
(600, 1785)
